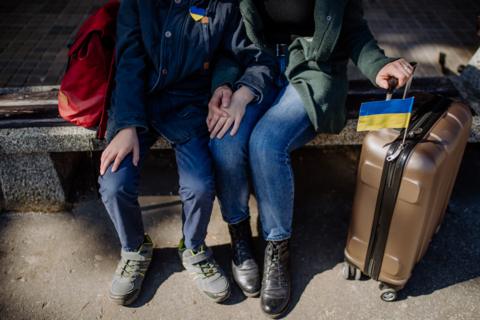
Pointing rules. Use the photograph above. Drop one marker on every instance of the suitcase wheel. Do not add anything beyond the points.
(350, 272)
(387, 293)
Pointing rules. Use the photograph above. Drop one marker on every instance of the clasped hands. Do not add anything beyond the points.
(226, 110)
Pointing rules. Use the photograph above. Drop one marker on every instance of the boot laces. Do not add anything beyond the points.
(242, 251)
(274, 266)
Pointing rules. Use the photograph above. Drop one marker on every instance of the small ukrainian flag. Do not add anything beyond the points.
(197, 13)
(377, 115)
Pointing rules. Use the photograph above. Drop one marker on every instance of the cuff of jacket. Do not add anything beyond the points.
(140, 124)
(251, 83)
(225, 75)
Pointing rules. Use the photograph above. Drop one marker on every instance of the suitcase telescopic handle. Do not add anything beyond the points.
(393, 84)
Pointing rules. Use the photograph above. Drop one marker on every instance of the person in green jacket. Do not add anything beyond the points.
(312, 101)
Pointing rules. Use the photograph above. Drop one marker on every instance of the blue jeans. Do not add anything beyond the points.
(284, 128)
(119, 192)
(232, 167)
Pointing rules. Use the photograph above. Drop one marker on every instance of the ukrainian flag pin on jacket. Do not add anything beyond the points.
(197, 13)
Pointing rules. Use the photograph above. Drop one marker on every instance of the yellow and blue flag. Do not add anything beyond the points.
(377, 115)
(197, 13)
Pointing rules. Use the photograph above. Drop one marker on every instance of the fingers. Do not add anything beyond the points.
(218, 127)
(401, 74)
(213, 122)
(236, 126)
(403, 71)
(118, 160)
(226, 98)
(215, 100)
(220, 98)
(136, 154)
(214, 106)
(383, 84)
(226, 126)
(107, 158)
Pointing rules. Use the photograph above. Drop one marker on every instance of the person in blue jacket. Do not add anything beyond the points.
(165, 50)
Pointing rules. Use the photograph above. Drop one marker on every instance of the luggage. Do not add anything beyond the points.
(402, 192)
(85, 90)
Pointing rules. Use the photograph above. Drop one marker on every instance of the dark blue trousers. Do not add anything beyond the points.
(119, 192)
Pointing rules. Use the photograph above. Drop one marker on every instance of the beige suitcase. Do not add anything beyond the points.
(402, 192)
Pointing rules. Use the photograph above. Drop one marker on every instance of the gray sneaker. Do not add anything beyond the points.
(206, 273)
(130, 273)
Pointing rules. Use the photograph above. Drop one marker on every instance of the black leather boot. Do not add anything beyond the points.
(276, 283)
(244, 268)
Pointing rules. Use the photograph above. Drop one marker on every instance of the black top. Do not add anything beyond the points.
(286, 18)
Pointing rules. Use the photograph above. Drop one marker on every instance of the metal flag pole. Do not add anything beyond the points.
(392, 84)
(405, 92)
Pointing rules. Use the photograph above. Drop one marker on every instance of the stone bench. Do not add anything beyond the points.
(31, 133)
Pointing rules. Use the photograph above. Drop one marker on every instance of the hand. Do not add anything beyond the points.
(221, 98)
(400, 69)
(236, 110)
(125, 141)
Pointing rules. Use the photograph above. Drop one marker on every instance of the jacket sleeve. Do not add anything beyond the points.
(259, 65)
(226, 71)
(363, 48)
(129, 107)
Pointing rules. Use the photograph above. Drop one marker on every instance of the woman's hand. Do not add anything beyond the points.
(125, 141)
(400, 69)
(236, 110)
(221, 99)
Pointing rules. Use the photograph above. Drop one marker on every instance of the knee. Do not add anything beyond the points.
(229, 152)
(262, 149)
(199, 190)
(116, 185)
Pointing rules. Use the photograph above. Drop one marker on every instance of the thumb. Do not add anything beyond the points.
(226, 98)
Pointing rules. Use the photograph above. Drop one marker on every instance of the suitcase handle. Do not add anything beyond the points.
(393, 84)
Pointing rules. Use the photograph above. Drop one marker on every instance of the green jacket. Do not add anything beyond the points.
(317, 66)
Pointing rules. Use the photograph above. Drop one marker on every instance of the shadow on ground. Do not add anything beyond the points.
(325, 182)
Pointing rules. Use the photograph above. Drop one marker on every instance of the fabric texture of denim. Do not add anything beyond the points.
(161, 49)
(231, 162)
(284, 128)
(119, 192)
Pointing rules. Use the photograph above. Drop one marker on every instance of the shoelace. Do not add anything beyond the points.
(274, 267)
(242, 251)
(208, 269)
(131, 267)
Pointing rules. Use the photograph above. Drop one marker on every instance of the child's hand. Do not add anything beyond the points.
(125, 141)
(236, 110)
(221, 99)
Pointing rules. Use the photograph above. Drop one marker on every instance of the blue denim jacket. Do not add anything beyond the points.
(164, 57)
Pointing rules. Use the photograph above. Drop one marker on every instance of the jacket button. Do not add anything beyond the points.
(329, 18)
(164, 72)
(168, 34)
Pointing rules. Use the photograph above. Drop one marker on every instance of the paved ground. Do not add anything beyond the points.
(58, 266)
(34, 34)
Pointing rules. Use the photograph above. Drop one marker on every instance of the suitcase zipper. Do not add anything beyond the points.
(394, 166)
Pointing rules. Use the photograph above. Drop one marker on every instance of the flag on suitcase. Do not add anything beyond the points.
(377, 115)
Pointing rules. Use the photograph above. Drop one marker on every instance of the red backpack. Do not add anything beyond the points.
(85, 90)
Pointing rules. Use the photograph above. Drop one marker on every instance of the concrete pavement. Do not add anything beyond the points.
(59, 266)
